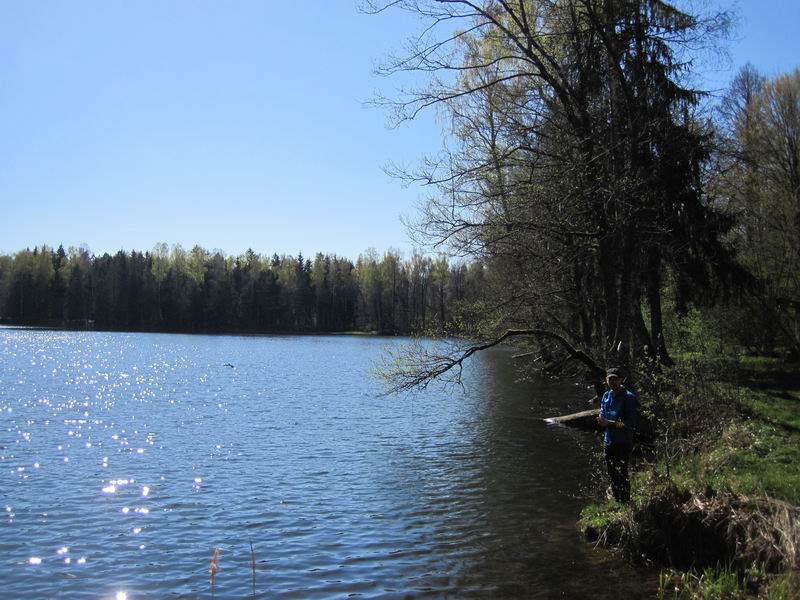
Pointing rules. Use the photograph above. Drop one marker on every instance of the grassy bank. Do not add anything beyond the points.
(716, 499)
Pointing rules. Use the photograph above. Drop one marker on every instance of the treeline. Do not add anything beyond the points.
(197, 290)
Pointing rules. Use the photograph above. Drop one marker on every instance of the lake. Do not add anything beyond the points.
(126, 459)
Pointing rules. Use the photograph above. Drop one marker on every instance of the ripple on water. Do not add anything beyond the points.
(125, 459)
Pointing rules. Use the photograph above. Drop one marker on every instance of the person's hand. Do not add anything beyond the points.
(602, 421)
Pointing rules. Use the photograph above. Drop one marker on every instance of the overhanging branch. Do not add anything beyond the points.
(418, 365)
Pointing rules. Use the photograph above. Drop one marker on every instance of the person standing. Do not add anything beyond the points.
(618, 416)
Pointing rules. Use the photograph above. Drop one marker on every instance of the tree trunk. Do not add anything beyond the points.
(654, 303)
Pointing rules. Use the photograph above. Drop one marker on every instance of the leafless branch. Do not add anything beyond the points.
(419, 364)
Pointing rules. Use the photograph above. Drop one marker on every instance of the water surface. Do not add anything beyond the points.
(126, 459)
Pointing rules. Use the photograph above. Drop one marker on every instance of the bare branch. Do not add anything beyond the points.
(418, 365)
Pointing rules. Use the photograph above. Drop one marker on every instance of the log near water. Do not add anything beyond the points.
(586, 420)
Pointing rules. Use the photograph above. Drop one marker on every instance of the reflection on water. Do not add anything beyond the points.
(126, 459)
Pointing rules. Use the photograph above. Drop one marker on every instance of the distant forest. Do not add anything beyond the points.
(172, 289)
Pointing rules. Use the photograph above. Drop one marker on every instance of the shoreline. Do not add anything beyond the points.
(209, 332)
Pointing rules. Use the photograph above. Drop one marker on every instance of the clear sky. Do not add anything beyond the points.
(226, 124)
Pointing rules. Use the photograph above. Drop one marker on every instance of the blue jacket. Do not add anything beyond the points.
(623, 407)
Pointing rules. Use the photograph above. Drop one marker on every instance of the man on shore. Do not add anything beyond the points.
(618, 416)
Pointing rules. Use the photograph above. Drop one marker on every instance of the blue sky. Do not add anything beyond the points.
(227, 124)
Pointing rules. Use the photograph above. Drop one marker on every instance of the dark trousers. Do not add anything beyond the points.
(617, 458)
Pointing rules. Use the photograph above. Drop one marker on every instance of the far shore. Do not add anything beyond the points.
(61, 327)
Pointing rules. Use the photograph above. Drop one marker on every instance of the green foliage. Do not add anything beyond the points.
(691, 335)
(174, 290)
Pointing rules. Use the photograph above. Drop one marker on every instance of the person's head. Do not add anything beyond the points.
(614, 378)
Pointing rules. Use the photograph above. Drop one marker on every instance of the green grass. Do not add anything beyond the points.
(748, 459)
(758, 451)
(720, 584)
(596, 515)
(602, 514)
(781, 408)
(726, 584)
(604, 523)
(785, 586)
(712, 584)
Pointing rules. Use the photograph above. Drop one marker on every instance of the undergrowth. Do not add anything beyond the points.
(716, 495)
